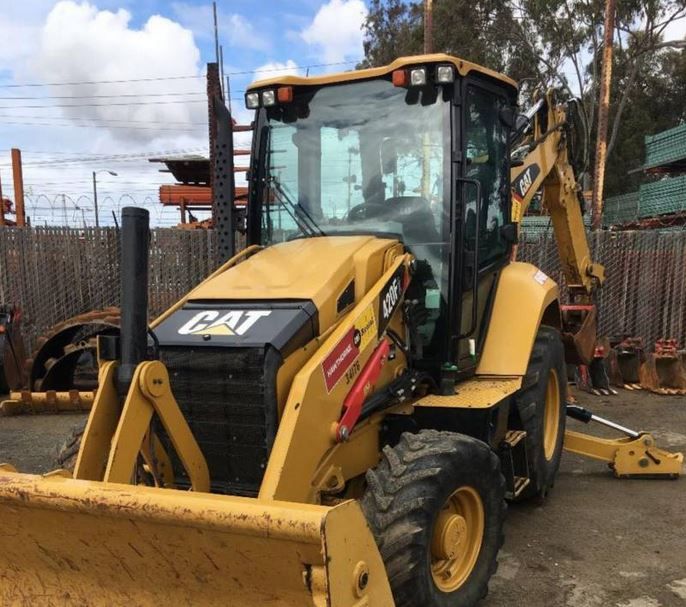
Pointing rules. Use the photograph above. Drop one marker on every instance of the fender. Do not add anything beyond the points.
(525, 297)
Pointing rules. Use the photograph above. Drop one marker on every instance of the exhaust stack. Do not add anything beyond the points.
(135, 236)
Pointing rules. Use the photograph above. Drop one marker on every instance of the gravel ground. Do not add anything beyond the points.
(595, 542)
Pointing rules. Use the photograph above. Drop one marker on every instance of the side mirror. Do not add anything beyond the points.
(508, 116)
(508, 232)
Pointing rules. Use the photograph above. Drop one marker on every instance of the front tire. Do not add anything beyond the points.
(436, 507)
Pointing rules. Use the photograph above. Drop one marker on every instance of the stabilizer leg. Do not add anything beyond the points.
(634, 455)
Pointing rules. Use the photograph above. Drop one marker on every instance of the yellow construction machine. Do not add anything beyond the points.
(338, 414)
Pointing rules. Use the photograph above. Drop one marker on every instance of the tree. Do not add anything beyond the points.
(554, 43)
(477, 30)
(656, 103)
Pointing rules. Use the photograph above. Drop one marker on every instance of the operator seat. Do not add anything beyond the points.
(414, 213)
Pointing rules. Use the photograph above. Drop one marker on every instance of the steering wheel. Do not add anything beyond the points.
(366, 210)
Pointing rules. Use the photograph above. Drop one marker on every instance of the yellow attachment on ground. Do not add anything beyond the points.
(70, 542)
(24, 402)
(476, 393)
(628, 457)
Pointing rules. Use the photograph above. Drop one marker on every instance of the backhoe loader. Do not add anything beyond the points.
(338, 414)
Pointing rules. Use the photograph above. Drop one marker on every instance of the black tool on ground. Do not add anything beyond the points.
(135, 236)
(586, 416)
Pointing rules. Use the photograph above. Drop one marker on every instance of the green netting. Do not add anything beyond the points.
(541, 224)
(665, 147)
(663, 197)
(620, 209)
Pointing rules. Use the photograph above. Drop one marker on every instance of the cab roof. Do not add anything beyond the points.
(463, 67)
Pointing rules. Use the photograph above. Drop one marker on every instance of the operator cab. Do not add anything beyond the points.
(417, 150)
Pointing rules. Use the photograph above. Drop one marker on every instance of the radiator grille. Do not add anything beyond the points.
(227, 396)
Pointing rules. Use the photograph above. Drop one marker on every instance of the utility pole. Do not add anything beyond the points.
(2, 206)
(18, 178)
(64, 208)
(95, 202)
(95, 193)
(428, 49)
(603, 111)
(428, 27)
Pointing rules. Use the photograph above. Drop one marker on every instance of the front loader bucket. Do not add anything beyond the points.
(72, 542)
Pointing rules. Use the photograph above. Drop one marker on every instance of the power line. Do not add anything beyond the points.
(98, 126)
(149, 182)
(82, 152)
(203, 93)
(160, 78)
(116, 157)
(104, 120)
(61, 105)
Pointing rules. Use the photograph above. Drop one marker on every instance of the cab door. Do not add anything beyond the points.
(483, 195)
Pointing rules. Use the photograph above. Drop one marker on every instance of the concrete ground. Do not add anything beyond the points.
(595, 542)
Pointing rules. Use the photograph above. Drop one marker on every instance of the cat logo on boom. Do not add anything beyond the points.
(235, 322)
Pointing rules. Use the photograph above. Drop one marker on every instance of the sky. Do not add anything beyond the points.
(103, 85)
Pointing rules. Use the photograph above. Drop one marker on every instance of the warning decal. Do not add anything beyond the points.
(339, 360)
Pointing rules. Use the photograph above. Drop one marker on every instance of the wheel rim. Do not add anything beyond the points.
(457, 537)
(551, 420)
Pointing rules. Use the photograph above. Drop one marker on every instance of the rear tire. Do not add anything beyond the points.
(541, 408)
(436, 507)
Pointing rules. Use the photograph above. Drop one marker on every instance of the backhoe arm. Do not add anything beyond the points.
(546, 167)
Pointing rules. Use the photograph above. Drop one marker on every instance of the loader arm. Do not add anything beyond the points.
(546, 167)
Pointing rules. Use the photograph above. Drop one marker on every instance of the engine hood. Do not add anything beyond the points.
(333, 272)
(284, 295)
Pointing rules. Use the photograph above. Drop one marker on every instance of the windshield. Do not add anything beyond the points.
(358, 157)
(364, 157)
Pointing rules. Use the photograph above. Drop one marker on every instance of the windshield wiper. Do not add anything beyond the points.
(297, 212)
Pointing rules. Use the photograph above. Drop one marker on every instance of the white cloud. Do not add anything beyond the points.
(276, 68)
(68, 41)
(233, 28)
(79, 43)
(336, 30)
(19, 28)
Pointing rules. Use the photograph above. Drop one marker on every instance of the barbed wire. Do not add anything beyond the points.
(76, 210)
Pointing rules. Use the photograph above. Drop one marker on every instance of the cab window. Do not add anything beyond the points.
(487, 161)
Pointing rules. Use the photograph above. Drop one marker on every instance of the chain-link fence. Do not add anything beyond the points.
(644, 293)
(53, 274)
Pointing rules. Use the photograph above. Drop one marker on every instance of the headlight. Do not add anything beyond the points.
(445, 74)
(418, 76)
(252, 101)
(268, 98)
